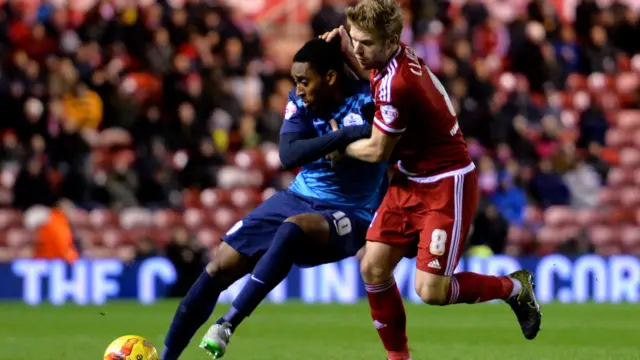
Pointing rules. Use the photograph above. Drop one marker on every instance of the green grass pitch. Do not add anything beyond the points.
(345, 332)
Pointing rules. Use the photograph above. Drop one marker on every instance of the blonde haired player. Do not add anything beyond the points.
(432, 199)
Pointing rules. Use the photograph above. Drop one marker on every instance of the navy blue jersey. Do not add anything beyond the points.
(351, 183)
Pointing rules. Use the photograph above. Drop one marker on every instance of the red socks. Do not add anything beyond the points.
(389, 318)
(470, 288)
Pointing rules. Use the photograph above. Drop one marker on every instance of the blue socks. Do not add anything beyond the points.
(272, 268)
(194, 310)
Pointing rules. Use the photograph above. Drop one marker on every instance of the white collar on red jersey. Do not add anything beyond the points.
(380, 74)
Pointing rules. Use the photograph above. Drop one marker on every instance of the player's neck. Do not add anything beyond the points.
(393, 52)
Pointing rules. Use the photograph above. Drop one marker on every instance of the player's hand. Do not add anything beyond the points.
(345, 40)
(335, 156)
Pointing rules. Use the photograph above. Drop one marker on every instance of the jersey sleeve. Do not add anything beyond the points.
(387, 110)
(295, 118)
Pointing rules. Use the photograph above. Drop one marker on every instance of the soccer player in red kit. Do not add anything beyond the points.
(432, 199)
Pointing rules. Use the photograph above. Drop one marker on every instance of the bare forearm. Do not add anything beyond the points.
(364, 150)
(354, 66)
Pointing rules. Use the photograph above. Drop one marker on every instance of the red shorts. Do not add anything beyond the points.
(435, 213)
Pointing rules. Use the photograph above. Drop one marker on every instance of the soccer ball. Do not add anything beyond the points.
(131, 347)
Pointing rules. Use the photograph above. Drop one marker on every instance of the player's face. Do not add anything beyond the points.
(311, 87)
(371, 51)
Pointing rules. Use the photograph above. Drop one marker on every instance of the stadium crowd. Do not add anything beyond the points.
(177, 110)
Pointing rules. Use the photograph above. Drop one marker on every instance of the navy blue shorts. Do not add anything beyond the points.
(253, 235)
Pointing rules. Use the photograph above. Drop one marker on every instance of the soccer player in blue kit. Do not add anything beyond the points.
(321, 218)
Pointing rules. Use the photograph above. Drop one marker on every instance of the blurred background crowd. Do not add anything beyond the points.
(133, 128)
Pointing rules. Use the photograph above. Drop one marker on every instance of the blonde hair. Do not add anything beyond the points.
(382, 18)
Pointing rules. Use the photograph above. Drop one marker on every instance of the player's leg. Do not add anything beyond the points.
(234, 258)
(296, 234)
(307, 239)
(441, 242)
(293, 236)
(385, 301)
(386, 246)
(227, 266)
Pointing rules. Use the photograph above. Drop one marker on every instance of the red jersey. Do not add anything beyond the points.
(411, 101)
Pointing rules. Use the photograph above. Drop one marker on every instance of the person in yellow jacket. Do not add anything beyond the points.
(83, 107)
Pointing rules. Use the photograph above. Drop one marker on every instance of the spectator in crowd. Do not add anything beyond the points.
(509, 200)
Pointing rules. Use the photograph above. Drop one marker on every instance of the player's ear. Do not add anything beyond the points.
(331, 77)
(394, 40)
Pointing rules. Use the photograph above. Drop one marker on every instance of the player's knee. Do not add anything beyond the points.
(432, 296)
(432, 290)
(227, 265)
(374, 272)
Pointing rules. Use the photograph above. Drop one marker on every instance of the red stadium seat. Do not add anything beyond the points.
(164, 218)
(628, 119)
(569, 118)
(570, 232)
(272, 158)
(159, 236)
(587, 217)
(86, 237)
(559, 216)
(211, 198)
(630, 236)
(135, 218)
(208, 238)
(532, 215)
(191, 198)
(629, 158)
(598, 82)
(608, 249)
(516, 235)
(249, 159)
(627, 83)
(618, 177)
(629, 196)
(99, 252)
(242, 198)
(78, 218)
(9, 218)
(576, 81)
(267, 193)
(635, 63)
(110, 238)
(548, 236)
(223, 218)
(193, 218)
(600, 235)
(7, 254)
(18, 237)
(100, 218)
(609, 102)
(581, 100)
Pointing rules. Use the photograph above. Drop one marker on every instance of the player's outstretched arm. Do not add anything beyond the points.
(377, 148)
(296, 150)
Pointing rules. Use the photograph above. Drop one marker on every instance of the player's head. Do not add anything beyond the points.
(318, 68)
(375, 31)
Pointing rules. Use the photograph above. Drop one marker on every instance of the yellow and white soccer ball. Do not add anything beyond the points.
(131, 347)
